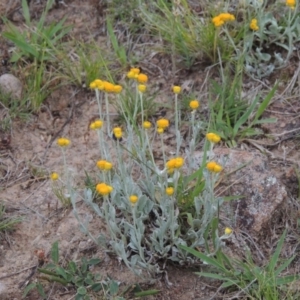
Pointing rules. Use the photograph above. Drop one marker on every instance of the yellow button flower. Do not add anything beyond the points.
(213, 138)
(160, 130)
(176, 89)
(93, 85)
(253, 25)
(54, 176)
(212, 166)
(169, 191)
(108, 87)
(135, 71)
(142, 88)
(194, 104)
(147, 125)
(117, 132)
(117, 89)
(103, 189)
(96, 125)
(162, 123)
(175, 163)
(222, 18)
(133, 199)
(104, 165)
(142, 78)
(291, 3)
(99, 83)
(63, 142)
(228, 231)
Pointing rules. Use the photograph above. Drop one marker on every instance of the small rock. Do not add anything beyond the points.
(9, 84)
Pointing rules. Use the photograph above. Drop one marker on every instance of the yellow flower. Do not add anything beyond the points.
(133, 199)
(131, 75)
(104, 165)
(176, 89)
(162, 123)
(54, 176)
(93, 85)
(160, 130)
(147, 125)
(96, 124)
(212, 166)
(222, 18)
(103, 189)
(253, 25)
(63, 142)
(117, 89)
(142, 78)
(175, 163)
(99, 83)
(169, 191)
(213, 138)
(108, 87)
(291, 3)
(135, 71)
(117, 132)
(228, 231)
(194, 104)
(142, 88)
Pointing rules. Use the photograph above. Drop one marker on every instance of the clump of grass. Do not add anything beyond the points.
(7, 223)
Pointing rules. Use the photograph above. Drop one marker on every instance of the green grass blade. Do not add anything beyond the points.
(26, 13)
(265, 104)
(287, 279)
(274, 259)
(55, 253)
(284, 266)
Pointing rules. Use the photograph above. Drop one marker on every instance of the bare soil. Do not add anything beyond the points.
(29, 153)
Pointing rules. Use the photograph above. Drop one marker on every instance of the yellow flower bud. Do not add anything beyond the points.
(213, 138)
(96, 125)
(253, 25)
(147, 125)
(93, 85)
(142, 78)
(54, 176)
(176, 89)
(228, 231)
(194, 104)
(160, 130)
(169, 191)
(142, 88)
(104, 165)
(117, 89)
(212, 166)
(63, 142)
(162, 123)
(117, 132)
(103, 189)
(133, 199)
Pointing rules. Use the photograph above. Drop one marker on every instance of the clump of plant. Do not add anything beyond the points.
(7, 223)
(244, 275)
(150, 205)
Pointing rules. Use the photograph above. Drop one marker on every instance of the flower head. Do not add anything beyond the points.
(175, 163)
(213, 138)
(162, 123)
(291, 3)
(103, 189)
(194, 104)
(96, 125)
(253, 25)
(212, 166)
(222, 18)
(104, 165)
(160, 130)
(228, 231)
(99, 83)
(117, 89)
(147, 125)
(93, 85)
(142, 78)
(142, 88)
(108, 87)
(169, 191)
(176, 89)
(63, 142)
(54, 176)
(117, 132)
(133, 199)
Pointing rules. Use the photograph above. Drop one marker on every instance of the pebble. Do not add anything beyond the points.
(9, 84)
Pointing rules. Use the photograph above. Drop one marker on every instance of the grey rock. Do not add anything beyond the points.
(9, 84)
(262, 193)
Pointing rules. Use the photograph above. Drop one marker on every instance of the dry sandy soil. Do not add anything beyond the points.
(31, 154)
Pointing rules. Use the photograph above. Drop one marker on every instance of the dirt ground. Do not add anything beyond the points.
(32, 154)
